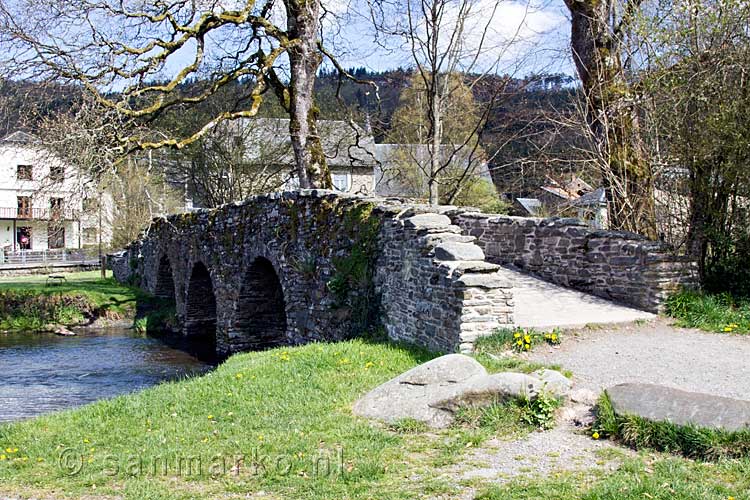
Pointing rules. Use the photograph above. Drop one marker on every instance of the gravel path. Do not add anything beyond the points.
(655, 352)
(652, 352)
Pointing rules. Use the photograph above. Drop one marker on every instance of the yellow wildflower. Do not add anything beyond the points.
(210, 417)
(239, 375)
(528, 346)
(3, 457)
(369, 365)
(517, 335)
(595, 435)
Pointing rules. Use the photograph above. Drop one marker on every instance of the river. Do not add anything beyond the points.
(41, 373)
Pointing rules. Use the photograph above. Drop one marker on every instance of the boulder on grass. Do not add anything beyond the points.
(434, 391)
(411, 394)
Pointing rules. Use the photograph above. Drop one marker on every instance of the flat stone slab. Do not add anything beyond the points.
(452, 250)
(659, 403)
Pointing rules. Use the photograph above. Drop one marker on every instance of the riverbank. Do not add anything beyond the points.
(28, 303)
(278, 424)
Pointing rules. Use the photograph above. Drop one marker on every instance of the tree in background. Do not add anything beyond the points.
(599, 31)
(139, 193)
(459, 155)
(698, 116)
(123, 51)
(445, 39)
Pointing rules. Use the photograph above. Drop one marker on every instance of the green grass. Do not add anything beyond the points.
(711, 312)
(687, 440)
(516, 339)
(292, 405)
(93, 296)
(638, 478)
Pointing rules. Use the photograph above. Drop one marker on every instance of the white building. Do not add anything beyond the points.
(43, 202)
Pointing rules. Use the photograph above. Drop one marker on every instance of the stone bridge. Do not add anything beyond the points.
(294, 267)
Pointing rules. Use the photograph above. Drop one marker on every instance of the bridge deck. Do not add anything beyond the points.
(539, 304)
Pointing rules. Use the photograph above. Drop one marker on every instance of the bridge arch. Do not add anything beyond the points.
(200, 304)
(261, 313)
(164, 287)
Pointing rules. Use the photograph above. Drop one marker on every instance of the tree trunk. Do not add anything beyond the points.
(435, 140)
(304, 59)
(611, 117)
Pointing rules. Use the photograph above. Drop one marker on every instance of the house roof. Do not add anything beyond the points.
(531, 205)
(594, 198)
(344, 144)
(19, 137)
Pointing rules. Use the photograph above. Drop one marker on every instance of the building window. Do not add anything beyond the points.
(25, 172)
(55, 235)
(24, 206)
(56, 206)
(341, 181)
(57, 173)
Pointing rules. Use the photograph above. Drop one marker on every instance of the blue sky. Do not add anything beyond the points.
(525, 37)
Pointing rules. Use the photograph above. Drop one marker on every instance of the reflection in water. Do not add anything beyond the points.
(40, 373)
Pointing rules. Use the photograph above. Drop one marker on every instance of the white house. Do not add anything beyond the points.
(43, 201)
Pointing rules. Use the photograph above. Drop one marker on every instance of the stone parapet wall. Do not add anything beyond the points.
(620, 266)
(435, 287)
(345, 265)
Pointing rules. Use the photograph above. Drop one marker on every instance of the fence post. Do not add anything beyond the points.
(103, 265)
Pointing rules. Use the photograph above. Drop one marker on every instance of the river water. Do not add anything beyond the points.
(41, 373)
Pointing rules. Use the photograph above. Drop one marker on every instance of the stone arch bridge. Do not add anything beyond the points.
(288, 268)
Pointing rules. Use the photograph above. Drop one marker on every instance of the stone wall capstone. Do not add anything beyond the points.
(619, 266)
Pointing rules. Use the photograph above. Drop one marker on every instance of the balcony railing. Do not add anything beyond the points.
(42, 257)
(37, 213)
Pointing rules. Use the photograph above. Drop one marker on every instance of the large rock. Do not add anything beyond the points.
(412, 394)
(659, 403)
(434, 391)
(427, 222)
(554, 381)
(482, 391)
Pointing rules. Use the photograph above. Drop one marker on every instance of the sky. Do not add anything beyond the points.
(523, 37)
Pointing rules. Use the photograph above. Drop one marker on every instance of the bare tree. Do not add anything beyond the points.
(237, 161)
(136, 57)
(454, 49)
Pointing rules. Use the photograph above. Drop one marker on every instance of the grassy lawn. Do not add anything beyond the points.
(643, 477)
(279, 422)
(28, 303)
(711, 312)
